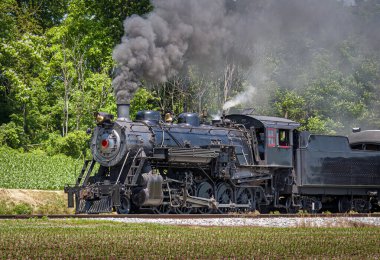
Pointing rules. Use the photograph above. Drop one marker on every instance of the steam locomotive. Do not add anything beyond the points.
(241, 162)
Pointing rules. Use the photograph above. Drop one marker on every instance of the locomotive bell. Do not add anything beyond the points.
(168, 118)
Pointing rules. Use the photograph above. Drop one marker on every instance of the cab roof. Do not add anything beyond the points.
(266, 121)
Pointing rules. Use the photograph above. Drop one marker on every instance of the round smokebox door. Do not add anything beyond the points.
(107, 146)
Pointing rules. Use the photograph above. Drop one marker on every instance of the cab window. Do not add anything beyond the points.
(283, 138)
(271, 137)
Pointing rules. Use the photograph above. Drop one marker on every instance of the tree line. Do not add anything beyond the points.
(56, 70)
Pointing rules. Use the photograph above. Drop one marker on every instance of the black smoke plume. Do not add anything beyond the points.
(156, 46)
(206, 33)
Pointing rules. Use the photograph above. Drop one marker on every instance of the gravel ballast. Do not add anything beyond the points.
(261, 222)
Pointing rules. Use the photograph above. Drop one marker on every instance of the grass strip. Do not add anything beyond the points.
(103, 239)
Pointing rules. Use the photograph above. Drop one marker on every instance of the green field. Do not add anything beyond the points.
(36, 171)
(95, 239)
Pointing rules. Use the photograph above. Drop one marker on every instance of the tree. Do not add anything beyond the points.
(56, 64)
(23, 62)
(143, 100)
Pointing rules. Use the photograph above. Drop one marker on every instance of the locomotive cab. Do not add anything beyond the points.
(272, 138)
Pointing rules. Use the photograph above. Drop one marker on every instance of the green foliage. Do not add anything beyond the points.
(22, 62)
(56, 69)
(36, 171)
(317, 125)
(38, 238)
(289, 104)
(23, 209)
(332, 100)
(56, 66)
(11, 135)
(74, 144)
(143, 100)
(8, 20)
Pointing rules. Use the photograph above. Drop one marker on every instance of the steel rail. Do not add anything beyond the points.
(189, 216)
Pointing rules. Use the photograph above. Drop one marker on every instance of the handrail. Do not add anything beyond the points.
(122, 167)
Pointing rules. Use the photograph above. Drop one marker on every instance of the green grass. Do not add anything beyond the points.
(36, 171)
(95, 239)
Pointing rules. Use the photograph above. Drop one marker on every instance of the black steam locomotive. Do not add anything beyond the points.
(242, 162)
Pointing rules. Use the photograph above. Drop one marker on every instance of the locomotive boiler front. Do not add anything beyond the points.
(108, 144)
(112, 141)
(120, 147)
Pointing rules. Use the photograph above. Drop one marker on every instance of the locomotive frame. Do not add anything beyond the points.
(239, 163)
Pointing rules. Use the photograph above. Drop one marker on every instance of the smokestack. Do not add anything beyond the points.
(123, 112)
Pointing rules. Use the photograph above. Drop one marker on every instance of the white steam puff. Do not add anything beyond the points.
(217, 116)
(241, 98)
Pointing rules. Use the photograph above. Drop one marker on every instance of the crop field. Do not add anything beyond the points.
(36, 171)
(100, 239)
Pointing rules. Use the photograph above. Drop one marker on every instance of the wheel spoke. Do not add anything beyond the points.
(186, 209)
(361, 205)
(224, 195)
(245, 196)
(163, 209)
(205, 190)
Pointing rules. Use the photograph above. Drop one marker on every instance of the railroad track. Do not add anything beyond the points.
(189, 216)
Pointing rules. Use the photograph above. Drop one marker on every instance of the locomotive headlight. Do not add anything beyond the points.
(105, 143)
(108, 143)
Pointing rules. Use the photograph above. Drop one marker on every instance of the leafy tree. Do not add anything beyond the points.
(11, 135)
(8, 20)
(22, 65)
(81, 63)
(74, 144)
(56, 63)
(143, 100)
(318, 125)
(56, 69)
(289, 104)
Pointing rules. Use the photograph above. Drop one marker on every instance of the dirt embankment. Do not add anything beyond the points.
(37, 201)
